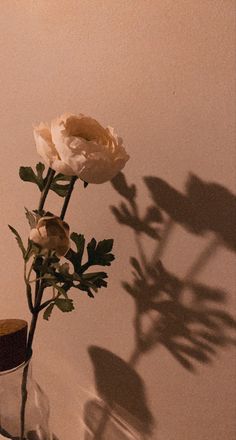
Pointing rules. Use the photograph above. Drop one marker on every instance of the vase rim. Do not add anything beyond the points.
(19, 367)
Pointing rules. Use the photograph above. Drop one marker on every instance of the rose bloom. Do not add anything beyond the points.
(51, 233)
(80, 146)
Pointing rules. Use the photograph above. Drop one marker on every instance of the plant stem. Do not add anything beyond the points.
(44, 192)
(68, 196)
(34, 321)
(45, 304)
(29, 298)
(39, 289)
(24, 393)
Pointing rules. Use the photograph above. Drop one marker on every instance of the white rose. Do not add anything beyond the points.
(80, 146)
(51, 233)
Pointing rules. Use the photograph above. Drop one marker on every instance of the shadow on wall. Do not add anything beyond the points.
(183, 315)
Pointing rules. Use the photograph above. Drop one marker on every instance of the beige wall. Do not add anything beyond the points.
(163, 73)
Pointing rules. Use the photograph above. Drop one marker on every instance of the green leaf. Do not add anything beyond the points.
(72, 257)
(99, 254)
(90, 294)
(91, 249)
(40, 167)
(28, 175)
(61, 177)
(32, 249)
(60, 290)
(31, 218)
(49, 277)
(94, 275)
(105, 246)
(92, 281)
(18, 239)
(79, 241)
(64, 304)
(60, 190)
(96, 278)
(85, 288)
(48, 311)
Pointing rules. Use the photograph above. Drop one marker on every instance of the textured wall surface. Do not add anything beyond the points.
(163, 73)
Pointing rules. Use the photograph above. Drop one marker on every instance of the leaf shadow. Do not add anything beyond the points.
(183, 315)
(122, 409)
(205, 206)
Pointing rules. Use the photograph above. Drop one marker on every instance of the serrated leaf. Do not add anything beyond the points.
(18, 239)
(28, 175)
(72, 257)
(79, 241)
(96, 279)
(91, 248)
(64, 304)
(90, 294)
(48, 311)
(99, 254)
(105, 246)
(94, 275)
(85, 288)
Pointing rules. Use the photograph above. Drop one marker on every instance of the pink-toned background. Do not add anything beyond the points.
(163, 73)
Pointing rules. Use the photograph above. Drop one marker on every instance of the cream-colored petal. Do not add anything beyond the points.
(61, 167)
(85, 127)
(86, 149)
(34, 235)
(101, 169)
(44, 145)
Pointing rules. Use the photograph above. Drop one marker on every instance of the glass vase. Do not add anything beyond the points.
(24, 407)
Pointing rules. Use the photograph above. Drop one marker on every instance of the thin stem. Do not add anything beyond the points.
(29, 298)
(24, 392)
(84, 267)
(34, 319)
(68, 196)
(35, 280)
(39, 289)
(45, 190)
(37, 284)
(45, 304)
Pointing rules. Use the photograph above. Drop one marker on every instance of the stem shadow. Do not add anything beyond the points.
(185, 316)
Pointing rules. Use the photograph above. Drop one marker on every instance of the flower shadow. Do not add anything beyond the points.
(185, 316)
(205, 206)
(181, 314)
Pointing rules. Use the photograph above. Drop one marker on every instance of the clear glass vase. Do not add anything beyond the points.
(24, 407)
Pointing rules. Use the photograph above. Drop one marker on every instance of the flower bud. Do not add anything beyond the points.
(51, 234)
